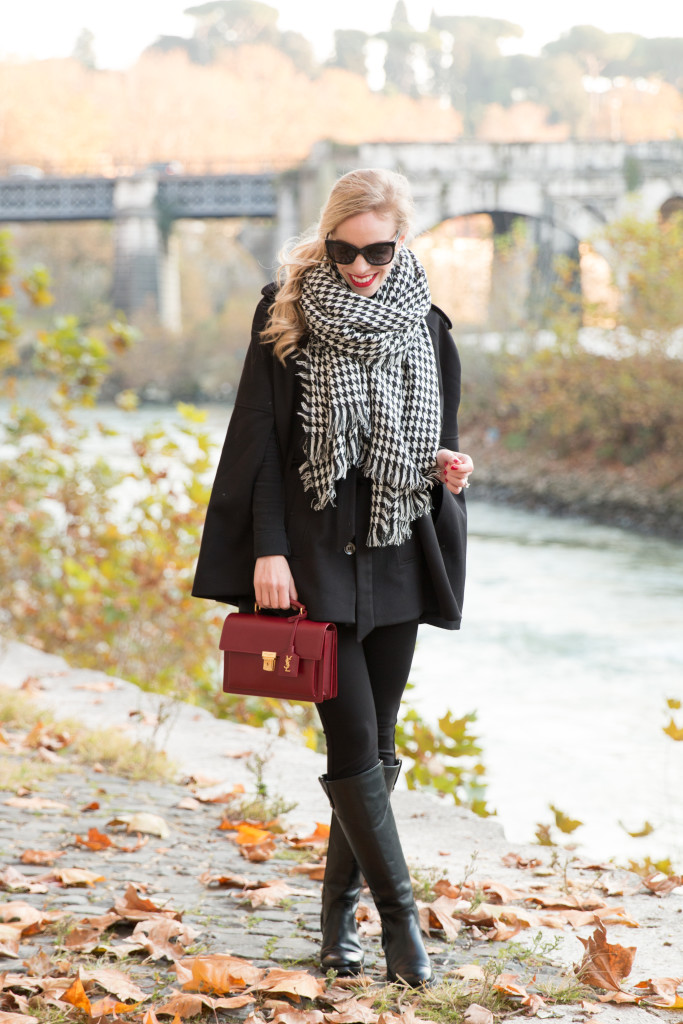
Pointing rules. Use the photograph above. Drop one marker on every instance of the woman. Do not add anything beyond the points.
(340, 485)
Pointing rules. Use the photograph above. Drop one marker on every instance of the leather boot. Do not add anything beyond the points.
(341, 949)
(362, 807)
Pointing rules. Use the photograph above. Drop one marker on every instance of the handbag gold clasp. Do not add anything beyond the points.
(269, 658)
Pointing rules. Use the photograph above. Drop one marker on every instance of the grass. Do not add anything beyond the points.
(89, 747)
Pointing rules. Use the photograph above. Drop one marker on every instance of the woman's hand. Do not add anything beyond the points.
(454, 469)
(273, 582)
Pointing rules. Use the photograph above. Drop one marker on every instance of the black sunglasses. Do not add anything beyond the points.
(377, 254)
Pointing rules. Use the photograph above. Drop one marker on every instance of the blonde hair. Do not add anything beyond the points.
(362, 191)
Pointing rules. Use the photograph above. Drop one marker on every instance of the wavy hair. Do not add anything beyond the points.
(366, 190)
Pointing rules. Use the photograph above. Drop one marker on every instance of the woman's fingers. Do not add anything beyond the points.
(273, 583)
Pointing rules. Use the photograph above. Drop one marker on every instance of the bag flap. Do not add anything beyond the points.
(252, 634)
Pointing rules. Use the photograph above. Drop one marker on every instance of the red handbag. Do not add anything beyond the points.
(271, 656)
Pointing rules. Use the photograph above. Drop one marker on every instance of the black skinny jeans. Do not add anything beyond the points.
(359, 722)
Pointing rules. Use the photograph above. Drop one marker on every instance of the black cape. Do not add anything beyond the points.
(267, 398)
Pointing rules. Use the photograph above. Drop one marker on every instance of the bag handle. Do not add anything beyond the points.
(302, 612)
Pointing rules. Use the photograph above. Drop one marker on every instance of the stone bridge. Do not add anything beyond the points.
(566, 190)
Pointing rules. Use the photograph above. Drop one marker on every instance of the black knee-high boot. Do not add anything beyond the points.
(341, 949)
(362, 807)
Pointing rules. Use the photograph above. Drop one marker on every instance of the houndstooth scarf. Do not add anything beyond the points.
(370, 393)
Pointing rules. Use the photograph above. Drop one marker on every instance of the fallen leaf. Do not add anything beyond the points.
(508, 985)
(469, 972)
(476, 1014)
(142, 821)
(17, 881)
(516, 860)
(115, 982)
(352, 1011)
(319, 838)
(132, 907)
(604, 965)
(440, 916)
(316, 872)
(368, 920)
(271, 894)
(92, 806)
(17, 1018)
(189, 1004)
(188, 803)
(10, 937)
(155, 936)
(673, 731)
(291, 983)
(75, 995)
(229, 881)
(96, 840)
(36, 803)
(259, 852)
(662, 992)
(292, 1016)
(216, 972)
(76, 876)
(662, 884)
(46, 857)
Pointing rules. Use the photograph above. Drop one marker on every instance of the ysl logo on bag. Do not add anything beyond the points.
(288, 662)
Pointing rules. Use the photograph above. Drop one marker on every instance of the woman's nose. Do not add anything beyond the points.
(360, 266)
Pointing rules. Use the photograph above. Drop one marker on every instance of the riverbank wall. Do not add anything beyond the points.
(646, 497)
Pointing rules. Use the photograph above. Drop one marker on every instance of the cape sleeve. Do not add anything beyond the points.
(225, 567)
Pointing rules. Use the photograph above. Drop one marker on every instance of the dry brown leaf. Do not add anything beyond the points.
(141, 841)
(502, 893)
(445, 888)
(259, 851)
(75, 876)
(110, 1006)
(142, 821)
(662, 992)
(96, 840)
(316, 872)
(17, 881)
(291, 983)
(216, 972)
(661, 884)
(604, 965)
(229, 881)
(188, 803)
(476, 1014)
(368, 920)
(10, 937)
(75, 995)
(503, 932)
(189, 1004)
(16, 1018)
(250, 835)
(440, 916)
(155, 936)
(35, 803)
(292, 1016)
(271, 894)
(618, 996)
(554, 898)
(516, 860)
(508, 985)
(115, 982)
(133, 907)
(352, 1011)
(46, 857)
(318, 839)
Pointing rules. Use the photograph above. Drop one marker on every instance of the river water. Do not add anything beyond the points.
(571, 643)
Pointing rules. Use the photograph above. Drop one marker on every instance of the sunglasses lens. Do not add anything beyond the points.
(379, 254)
(340, 252)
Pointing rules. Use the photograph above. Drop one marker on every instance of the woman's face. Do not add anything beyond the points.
(361, 230)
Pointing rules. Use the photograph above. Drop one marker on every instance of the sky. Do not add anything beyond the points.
(49, 28)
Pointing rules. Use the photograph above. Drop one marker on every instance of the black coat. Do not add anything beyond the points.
(317, 545)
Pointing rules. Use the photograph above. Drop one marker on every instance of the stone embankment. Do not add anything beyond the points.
(647, 497)
(184, 866)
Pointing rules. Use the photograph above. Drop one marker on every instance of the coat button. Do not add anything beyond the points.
(350, 548)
